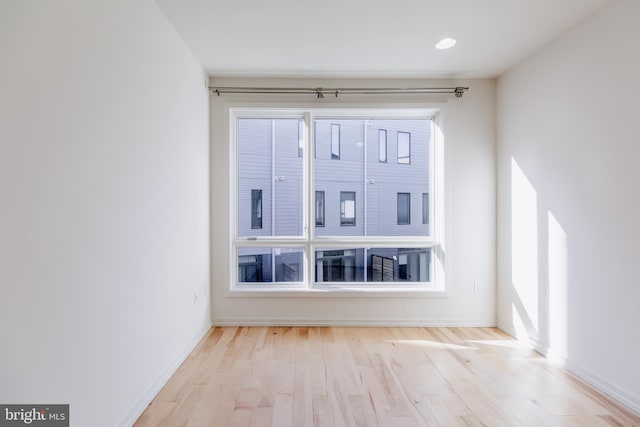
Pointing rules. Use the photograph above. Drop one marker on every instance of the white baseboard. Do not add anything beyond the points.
(356, 322)
(626, 399)
(155, 388)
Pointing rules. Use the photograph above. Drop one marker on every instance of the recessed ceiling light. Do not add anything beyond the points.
(445, 43)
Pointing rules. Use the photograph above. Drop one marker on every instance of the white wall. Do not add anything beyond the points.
(470, 251)
(103, 205)
(568, 202)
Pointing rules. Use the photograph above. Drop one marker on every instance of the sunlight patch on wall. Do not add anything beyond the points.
(524, 254)
(558, 290)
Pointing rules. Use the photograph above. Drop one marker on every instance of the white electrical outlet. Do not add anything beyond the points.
(195, 297)
(476, 287)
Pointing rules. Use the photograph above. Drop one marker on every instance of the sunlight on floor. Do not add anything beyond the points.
(431, 344)
(502, 343)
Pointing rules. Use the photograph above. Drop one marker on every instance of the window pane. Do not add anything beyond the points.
(382, 146)
(347, 208)
(404, 148)
(269, 167)
(372, 265)
(375, 183)
(404, 208)
(319, 208)
(268, 265)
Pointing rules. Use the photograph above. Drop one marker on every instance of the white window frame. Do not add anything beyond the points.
(309, 242)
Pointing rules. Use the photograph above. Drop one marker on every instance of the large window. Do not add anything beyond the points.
(305, 221)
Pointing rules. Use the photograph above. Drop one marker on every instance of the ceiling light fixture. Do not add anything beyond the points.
(445, 43)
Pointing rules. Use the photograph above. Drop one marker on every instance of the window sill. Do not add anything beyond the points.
(336, 292)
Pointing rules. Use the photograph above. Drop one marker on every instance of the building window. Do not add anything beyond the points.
(382, 146)
(404, 148)
(425, 208)
(404, 208)
(256, 209)
(314, 223)
(335, 142)
(300, 138)
(347, 208)
(319, 208)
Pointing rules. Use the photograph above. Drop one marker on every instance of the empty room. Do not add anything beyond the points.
(277, 213)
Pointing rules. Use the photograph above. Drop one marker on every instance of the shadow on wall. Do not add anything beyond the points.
(539, 270)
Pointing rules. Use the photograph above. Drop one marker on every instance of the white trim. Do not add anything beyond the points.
(593, 380)
(628, 400)
(426, 323)
(297, 291)
(147, 397)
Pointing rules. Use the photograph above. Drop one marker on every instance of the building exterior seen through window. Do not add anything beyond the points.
(354, 193)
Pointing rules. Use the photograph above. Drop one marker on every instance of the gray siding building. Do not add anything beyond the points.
(371, 179)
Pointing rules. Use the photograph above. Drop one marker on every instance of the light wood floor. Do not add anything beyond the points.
(308, 376)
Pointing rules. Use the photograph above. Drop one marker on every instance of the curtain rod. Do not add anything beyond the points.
(320, 92)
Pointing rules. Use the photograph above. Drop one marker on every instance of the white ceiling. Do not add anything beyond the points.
(369, 38)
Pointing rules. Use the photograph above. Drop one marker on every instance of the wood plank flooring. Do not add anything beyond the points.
(312, 376)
